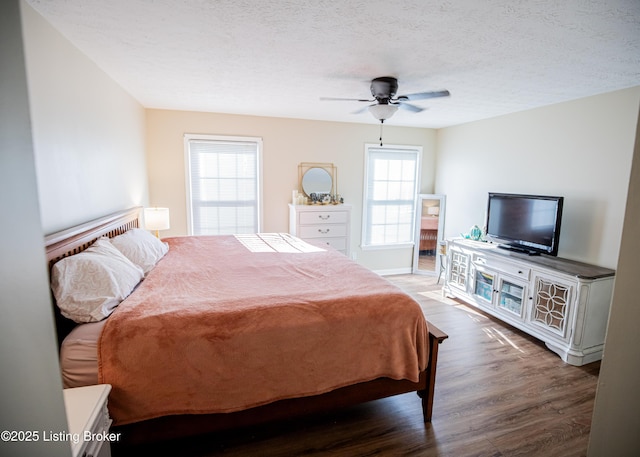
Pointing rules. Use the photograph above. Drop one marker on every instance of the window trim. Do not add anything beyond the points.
(408, 148)
(229, 138)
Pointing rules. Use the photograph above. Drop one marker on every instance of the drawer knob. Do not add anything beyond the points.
(324, 217)
(323, 231)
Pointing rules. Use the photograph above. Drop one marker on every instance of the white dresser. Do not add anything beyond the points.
(89, 420)
(324, 224)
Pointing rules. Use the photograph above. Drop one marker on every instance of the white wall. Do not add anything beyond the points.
(580, 150)
(286, 143)
(31, 388)
(72, 149)
(616, 421)
(88, 132)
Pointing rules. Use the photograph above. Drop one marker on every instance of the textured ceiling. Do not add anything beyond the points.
(277, 58)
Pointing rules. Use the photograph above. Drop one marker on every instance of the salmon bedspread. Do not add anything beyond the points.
(225, 323)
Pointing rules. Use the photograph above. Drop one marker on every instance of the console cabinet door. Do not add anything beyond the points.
(512, 297)
(551, 308)
(483, 288)
(458, 269)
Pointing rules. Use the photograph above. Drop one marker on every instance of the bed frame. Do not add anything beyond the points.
(76, 239)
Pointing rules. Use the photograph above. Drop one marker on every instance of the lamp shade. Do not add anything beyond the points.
(156, 218)
(433, 210)
(383, 112)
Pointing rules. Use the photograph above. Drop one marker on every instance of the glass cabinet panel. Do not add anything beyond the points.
(483, 285)
(511, 297)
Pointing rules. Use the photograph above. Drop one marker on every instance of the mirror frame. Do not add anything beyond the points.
(439, 240)
(328, 167)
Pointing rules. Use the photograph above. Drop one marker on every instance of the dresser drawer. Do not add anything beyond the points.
(339, 244)
(322, 231)
(323, 217)
(517, 270)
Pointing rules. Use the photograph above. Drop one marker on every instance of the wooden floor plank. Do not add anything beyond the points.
(499, 392)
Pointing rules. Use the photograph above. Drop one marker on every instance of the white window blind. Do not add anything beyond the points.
(223, 185)
(391, 182)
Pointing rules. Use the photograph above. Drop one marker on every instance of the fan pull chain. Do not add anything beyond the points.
(381, 123)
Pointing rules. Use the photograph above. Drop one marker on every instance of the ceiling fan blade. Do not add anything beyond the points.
(409, 107)
(345, 99)
(424, 95)
(361, 110)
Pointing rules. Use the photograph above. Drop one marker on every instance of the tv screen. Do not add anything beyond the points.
(528, 223)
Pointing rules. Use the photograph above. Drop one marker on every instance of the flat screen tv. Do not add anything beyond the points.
(527, 223)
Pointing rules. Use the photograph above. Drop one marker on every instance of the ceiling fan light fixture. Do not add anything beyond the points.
(382, 112)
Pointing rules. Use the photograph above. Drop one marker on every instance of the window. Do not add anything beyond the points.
(223, 184)
(391, 182)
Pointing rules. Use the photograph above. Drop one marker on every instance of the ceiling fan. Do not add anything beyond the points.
(383, 90)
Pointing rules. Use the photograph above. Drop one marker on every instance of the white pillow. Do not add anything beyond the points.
(141, 248)
(89, 285)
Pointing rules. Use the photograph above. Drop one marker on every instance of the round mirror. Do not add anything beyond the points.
(316, 180)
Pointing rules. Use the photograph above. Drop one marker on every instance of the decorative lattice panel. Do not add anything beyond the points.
(551, 305)
(459, 265)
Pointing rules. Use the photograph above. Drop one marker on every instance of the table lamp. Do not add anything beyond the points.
(156, 219)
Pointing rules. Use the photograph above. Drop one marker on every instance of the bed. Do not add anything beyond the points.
(230, 331)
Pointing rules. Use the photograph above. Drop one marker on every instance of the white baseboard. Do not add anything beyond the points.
(396, 271)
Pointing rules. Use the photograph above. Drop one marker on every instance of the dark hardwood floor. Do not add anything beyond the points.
(499, 392)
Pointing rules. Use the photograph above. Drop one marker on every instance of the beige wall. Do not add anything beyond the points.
(88, 132)
(580, 150)
(616, 421)
(286, 143)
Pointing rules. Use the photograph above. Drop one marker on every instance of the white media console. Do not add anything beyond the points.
(559, 301)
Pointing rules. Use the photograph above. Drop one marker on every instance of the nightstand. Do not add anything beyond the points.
(89, 420)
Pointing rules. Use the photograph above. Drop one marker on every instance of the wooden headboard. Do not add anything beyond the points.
(76, 239)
